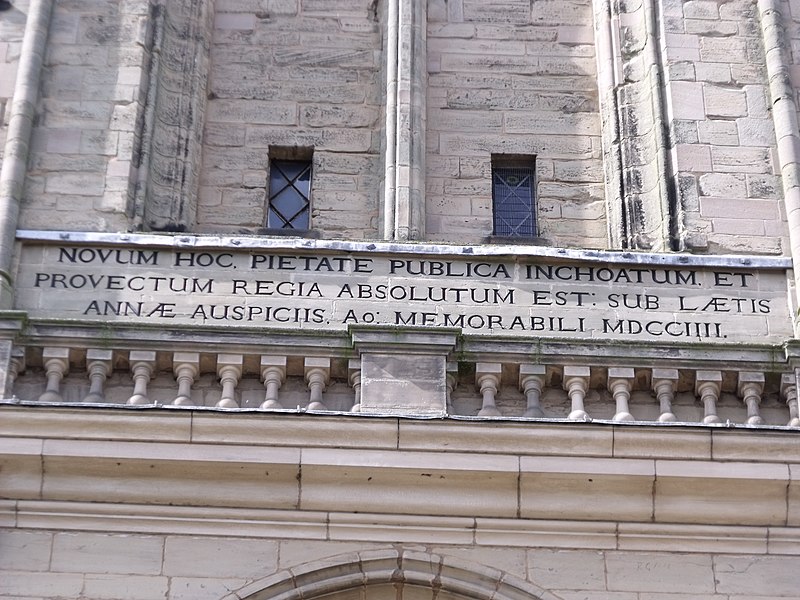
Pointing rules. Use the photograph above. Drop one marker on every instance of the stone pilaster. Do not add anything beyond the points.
(404, 190)
(173, 114)
(630, 78)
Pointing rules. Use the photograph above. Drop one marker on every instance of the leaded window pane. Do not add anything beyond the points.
(289, 194)
(514, 201)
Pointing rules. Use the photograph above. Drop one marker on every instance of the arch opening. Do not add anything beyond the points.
(391, 574)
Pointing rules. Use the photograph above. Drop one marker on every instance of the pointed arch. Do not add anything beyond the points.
(449, 576)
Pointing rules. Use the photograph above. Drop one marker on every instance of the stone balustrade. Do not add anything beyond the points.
(483, 389)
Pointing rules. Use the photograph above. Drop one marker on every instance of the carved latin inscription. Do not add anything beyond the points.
(523, 297)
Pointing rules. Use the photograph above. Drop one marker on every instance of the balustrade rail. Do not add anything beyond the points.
(525, 390)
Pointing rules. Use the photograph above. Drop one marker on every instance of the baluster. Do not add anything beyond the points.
(56, 365)
(750, 388)
(664, 383)
(317, 373)
(98, 367)
(229, 371)
(620, 384)
(707, 387)
(531, 382)
(576, 382)
(273, 373)
(15, 367)
(487, 378)
(450, 382)
(789, 393)
(143, 364)
(354, 371)
(186, 367)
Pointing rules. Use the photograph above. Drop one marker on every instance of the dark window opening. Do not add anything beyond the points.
(514, 196)
(289, 195)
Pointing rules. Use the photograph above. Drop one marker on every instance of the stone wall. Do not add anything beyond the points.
(109, 566)
(105, 504)
(284, 76)
(506, 78)
(727, 172)
(688, 156)
(82, 167)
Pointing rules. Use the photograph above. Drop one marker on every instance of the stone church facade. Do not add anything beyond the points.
(365, 299)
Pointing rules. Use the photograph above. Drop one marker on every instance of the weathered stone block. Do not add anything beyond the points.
(219, 557)
(718, 133)
(86, 552)
(723, 185)
(741, 159)
(756, 132)
(723, 50)
(724, 102)
(659, 572)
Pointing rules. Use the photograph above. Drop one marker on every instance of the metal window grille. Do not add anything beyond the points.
(289, 194)
(514, 201)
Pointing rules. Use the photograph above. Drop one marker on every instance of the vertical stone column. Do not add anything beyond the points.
(576, 383)
(664, 384)
(143, 364)
(609, 76)
(620, 383)
(186, 366)
(451, 381)
(750, 388)
(174, 114)
(229, 370)
(531, 382)
(6, 377)
(634, 122)
(318, 374)
(783, 109)
(707, 387)
(403, 371)
(16, 365)
(10, 326)
(406, 81)
(789, 394)
(20, 125)
(273, 372)
(98, 368)
(56, 366)
(487, 380)
(354, 377)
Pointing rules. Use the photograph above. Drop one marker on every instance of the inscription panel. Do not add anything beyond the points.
(519, 297)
